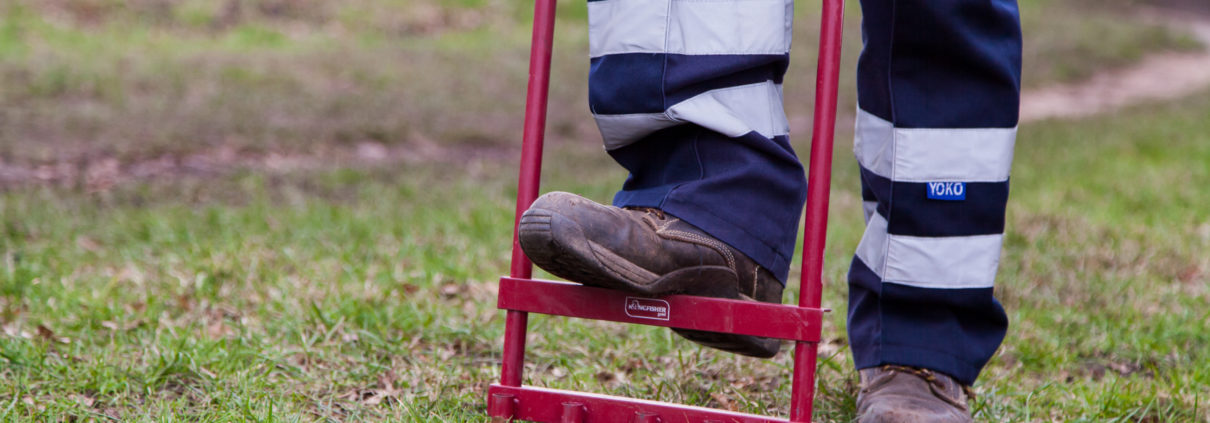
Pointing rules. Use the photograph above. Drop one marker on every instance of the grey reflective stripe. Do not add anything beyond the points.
(869, 207)
(933, 154)
(732, 111)
(696, 27)
(621, 130)
(941, 263)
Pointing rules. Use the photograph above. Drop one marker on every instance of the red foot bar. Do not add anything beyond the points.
(678, 311)
(553, 405)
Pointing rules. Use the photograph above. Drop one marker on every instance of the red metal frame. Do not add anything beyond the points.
(520, 295)
(679, 311)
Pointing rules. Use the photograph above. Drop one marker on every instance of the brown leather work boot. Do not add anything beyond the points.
(648, 252)
(901, 394)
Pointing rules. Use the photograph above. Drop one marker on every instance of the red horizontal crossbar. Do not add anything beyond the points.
(678, 311)
(554, 405)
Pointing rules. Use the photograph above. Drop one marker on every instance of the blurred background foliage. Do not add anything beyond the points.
(85, 80)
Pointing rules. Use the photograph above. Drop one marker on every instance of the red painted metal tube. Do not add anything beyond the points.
(514, 348)
(501, 405)
(676, 311)
(820, 173)
(535, 124)
(529, 178)
(547, 405)
(819, 180)
(573, 412)
(802, 393)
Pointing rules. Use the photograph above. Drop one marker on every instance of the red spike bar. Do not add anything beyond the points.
(502, 407)
(573, 412)
(643, 417)
(546, 405)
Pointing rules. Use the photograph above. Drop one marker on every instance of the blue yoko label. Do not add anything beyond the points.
(948, 191)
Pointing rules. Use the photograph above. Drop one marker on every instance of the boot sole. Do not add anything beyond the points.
(748, 345)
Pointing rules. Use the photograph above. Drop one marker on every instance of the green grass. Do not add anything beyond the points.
(369, 294)
(261, 292)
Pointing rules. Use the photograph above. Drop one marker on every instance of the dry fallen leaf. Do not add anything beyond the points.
(88, 244)
(724, 401)
(377, 396)
(116, 327)
(606, 376)
(216, 329)
(84, 400)
(373, 399)
(184, 302)
(387, 379)
(450, 290)
(206, 372)
(49, 335)
(14, 330)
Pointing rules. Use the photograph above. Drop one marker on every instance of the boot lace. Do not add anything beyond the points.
(659, 214)
(936, 385)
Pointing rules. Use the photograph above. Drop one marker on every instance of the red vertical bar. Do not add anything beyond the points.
(514, 348)
(527, 183)
(819, 179)
(535, 124)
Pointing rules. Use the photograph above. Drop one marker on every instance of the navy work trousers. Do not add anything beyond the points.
(688, 97)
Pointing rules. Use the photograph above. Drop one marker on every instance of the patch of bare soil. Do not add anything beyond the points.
(1201, 7)
(99, 174)
(1159, 77)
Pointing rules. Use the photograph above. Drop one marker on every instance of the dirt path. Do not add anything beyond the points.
(101, 174)
(1159, 77)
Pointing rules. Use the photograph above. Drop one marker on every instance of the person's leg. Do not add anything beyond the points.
(687, 95)
(938, 88)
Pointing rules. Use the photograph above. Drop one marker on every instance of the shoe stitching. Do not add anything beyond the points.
(662, 230)
(608, 262)
(877, 381)
(695, 238)
(755, 276)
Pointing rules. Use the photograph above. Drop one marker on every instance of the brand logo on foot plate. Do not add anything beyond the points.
(647, 308)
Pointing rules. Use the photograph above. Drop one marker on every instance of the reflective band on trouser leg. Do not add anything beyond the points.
(938, 90)
(688, 97)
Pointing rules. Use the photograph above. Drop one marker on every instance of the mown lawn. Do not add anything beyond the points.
(367, 291)
(354, 294)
